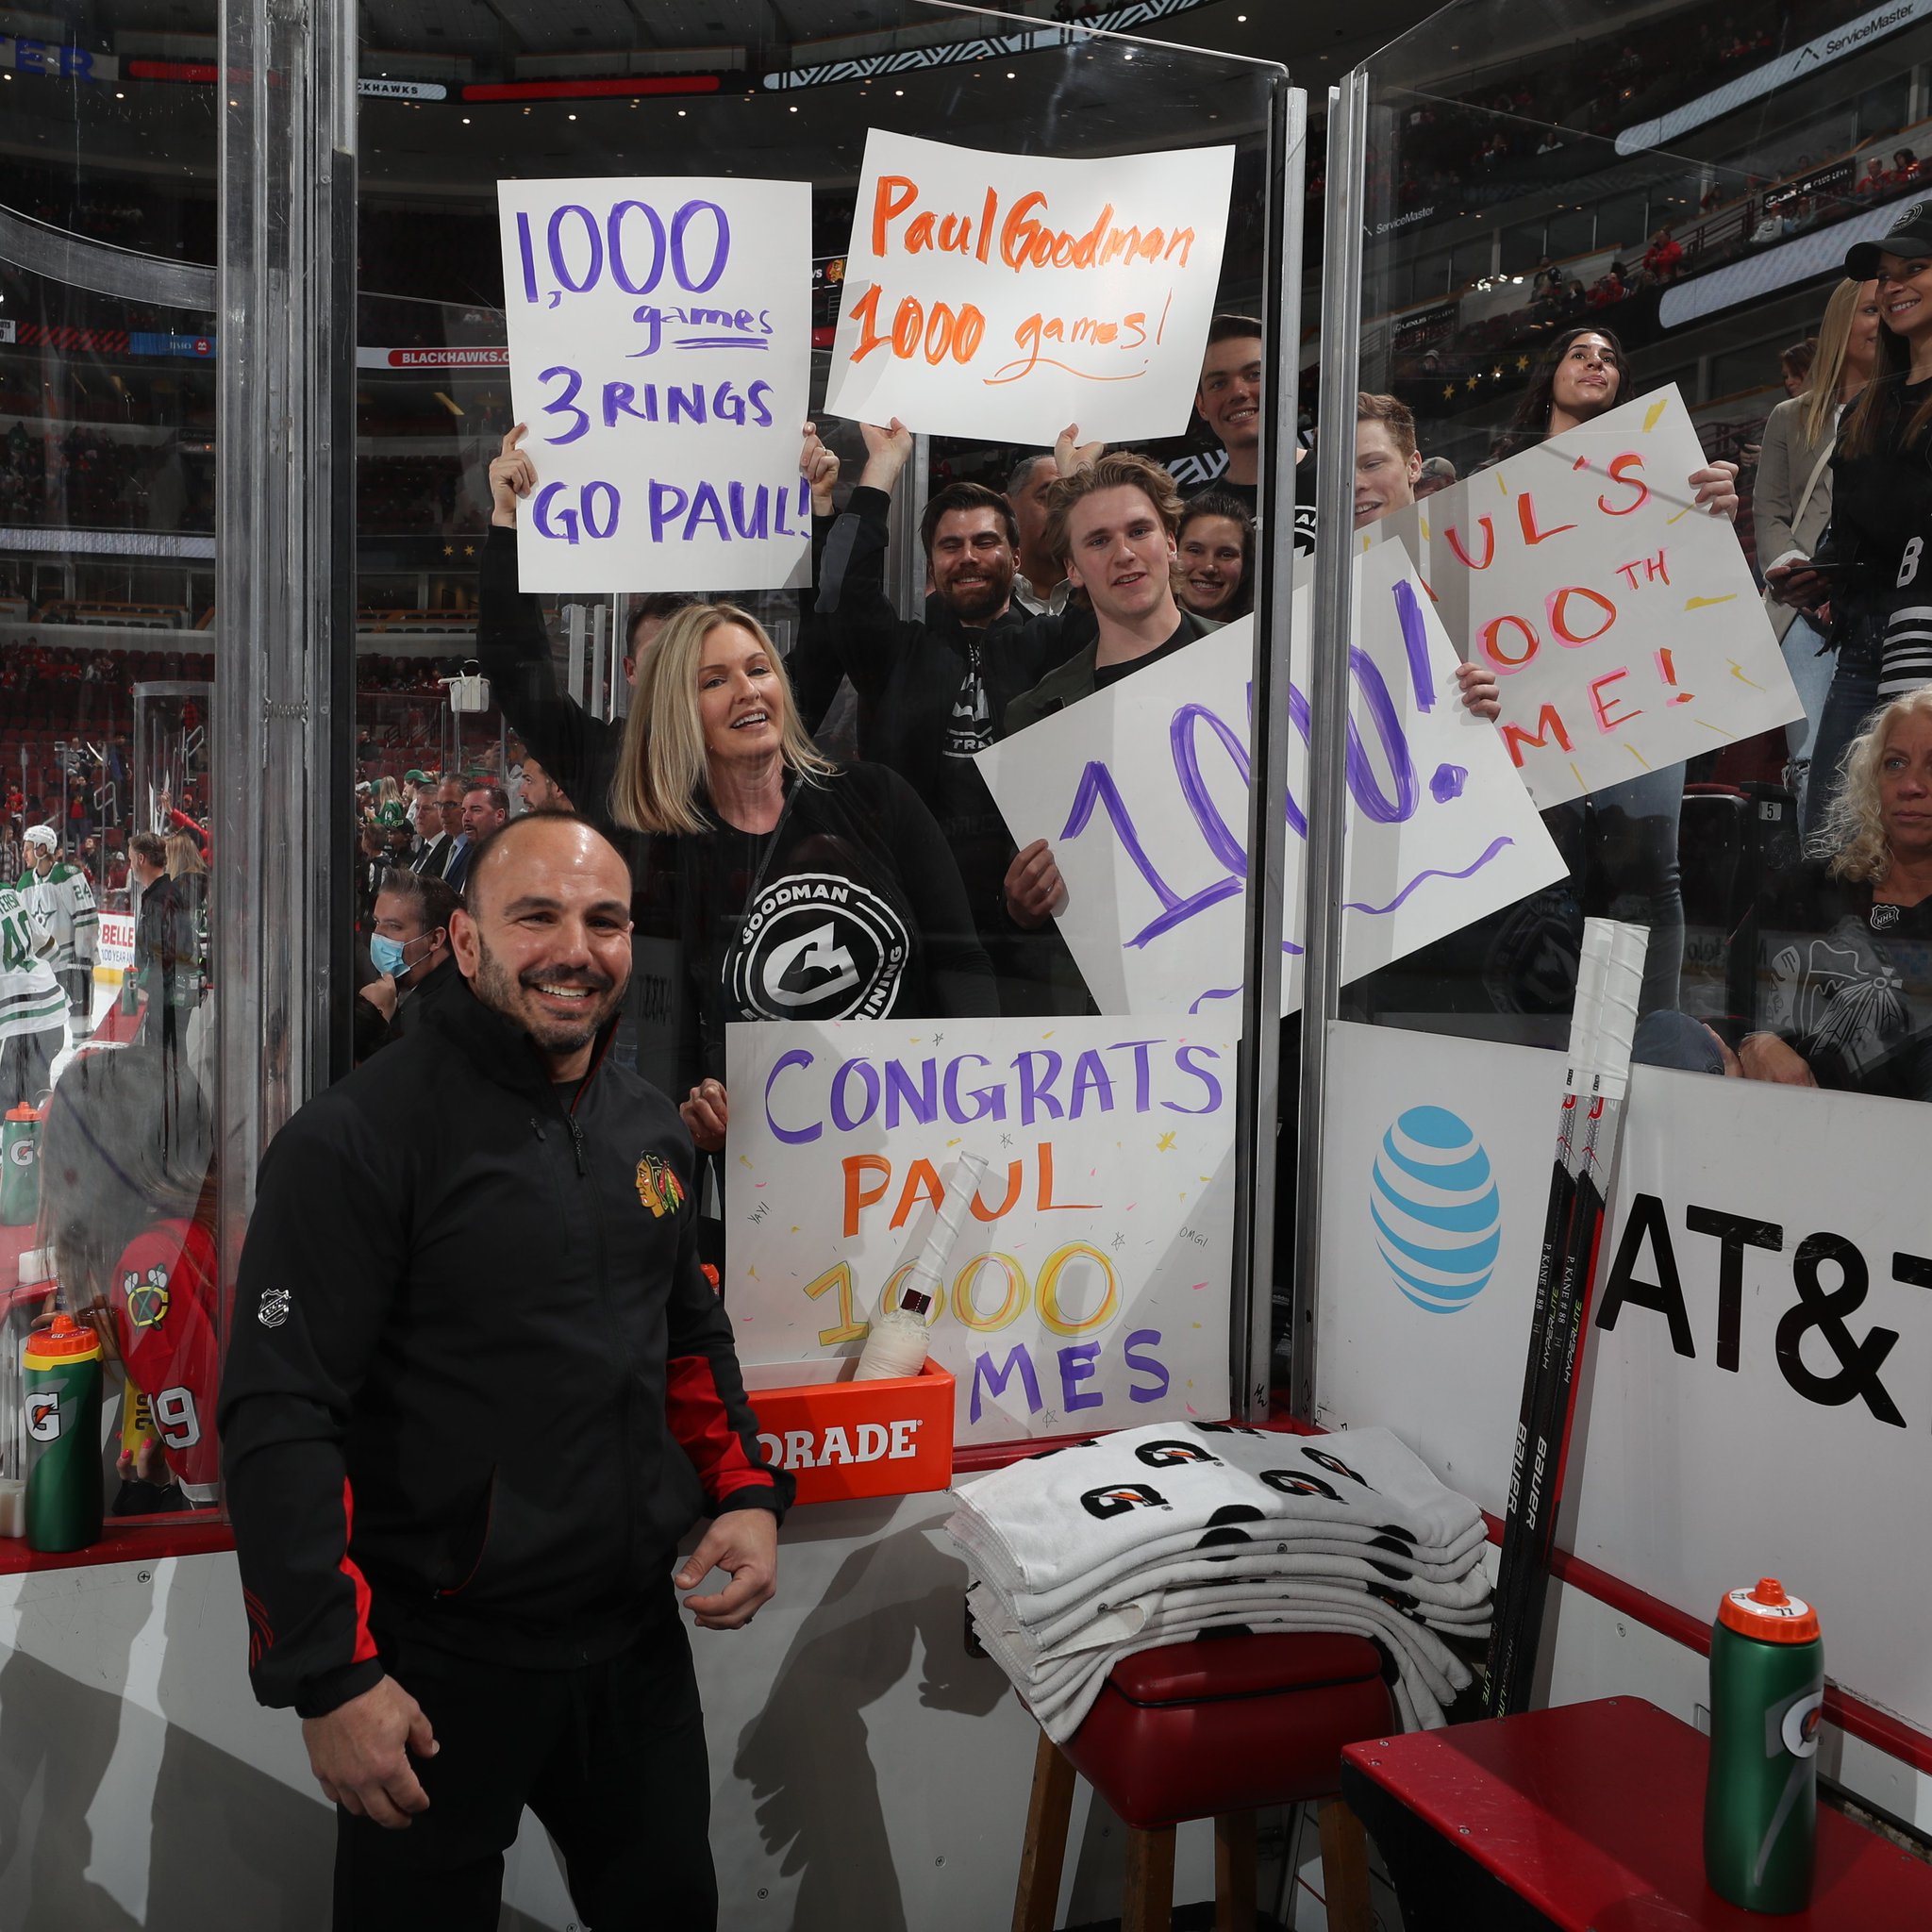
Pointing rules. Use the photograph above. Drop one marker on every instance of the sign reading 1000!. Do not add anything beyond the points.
(659, 350)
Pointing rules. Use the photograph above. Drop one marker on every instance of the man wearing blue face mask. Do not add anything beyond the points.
(408, 946)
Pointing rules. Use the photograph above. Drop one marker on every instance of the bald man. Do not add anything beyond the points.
(484, 1392)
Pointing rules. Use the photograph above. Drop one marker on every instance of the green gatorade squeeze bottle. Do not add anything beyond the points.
(20, 1166)
(61, 1376)
(1767, 1695)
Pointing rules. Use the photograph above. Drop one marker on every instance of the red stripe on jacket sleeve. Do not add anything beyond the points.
(698, 1419)
(365, 1644)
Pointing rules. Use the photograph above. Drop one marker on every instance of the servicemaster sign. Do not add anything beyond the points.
(1734, 94)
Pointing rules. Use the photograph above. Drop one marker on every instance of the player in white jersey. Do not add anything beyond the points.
(33, 1010)
(62, 904)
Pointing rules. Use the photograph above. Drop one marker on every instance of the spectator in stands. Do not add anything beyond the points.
(371, 866)
(1037, 587)
(1215, 545)
(541, 792)
(1229, 399)
(484, 809)
(1844, 994)
(1794, 364)
(1874, 179)
(1875, 576)
(1664, 256)
(13, 853)
(1622, 842)
(1387, 468)
(408, 946)
(1905, 169)
(1113, 526)
(440, 827)
(1791, 508)
(1438, 473)
(1548, 279)
(933, 690)
(797, 889)
(1612, 286)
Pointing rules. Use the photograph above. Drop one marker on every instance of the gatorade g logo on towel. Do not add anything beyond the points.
(1116, 1499)
(658, 1188)
(1292, 1482)
(1335, 1466)
(1165, 1455)
(816, 946)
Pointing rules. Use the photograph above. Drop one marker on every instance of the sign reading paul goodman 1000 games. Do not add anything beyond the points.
(1003, 295)
(659, 350)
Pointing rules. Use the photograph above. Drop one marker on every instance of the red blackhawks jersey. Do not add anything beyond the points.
(163, 1303)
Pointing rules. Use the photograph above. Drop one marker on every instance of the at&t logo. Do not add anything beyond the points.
(1438, 1217)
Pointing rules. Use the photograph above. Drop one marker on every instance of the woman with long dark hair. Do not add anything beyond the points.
(1871, 568)
(1621, 841)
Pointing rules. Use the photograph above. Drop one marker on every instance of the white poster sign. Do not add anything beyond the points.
(117, 941)
(1087, 1289)
(1760, 1400)
(1620, 620)
(1003, 295)
(1142, 791)
(659, 350)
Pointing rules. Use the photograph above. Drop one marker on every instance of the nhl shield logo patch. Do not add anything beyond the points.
(658, 1188)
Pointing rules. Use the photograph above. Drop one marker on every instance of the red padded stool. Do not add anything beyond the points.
(1217, 1728)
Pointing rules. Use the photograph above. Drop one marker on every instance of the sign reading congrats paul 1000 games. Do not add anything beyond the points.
(659, 350)
(1003, 295)
(1084, 1286)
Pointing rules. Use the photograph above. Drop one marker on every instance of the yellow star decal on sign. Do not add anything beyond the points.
(1521, 363)
(1448, 391)
(1472, 382)
(449, 549)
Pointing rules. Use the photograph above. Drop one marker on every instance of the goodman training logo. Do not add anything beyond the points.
(1438, 1217)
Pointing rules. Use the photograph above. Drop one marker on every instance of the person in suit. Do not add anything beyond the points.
(441, 838)
(484, 807)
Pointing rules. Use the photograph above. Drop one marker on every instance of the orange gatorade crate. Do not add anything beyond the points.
(842, 1439)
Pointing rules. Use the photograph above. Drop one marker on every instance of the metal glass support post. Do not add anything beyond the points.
(1258, 1095)
(1333, 614)
(284, 567)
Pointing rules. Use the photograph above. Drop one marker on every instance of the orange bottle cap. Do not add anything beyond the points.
(66, 1341)
(23, 1112)
(1769, 1613)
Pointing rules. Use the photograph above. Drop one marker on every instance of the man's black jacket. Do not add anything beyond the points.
(908, 671)
(476, 1386)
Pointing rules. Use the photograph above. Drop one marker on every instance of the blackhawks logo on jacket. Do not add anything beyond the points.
(658, 1188)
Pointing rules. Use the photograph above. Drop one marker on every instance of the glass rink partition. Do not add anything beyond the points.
(264, 333)
(1569, 283)
(296, 343)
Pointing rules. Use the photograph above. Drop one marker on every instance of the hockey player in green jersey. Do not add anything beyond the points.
(61, 905)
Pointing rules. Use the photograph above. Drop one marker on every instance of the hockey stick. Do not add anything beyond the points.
(1608, 978)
